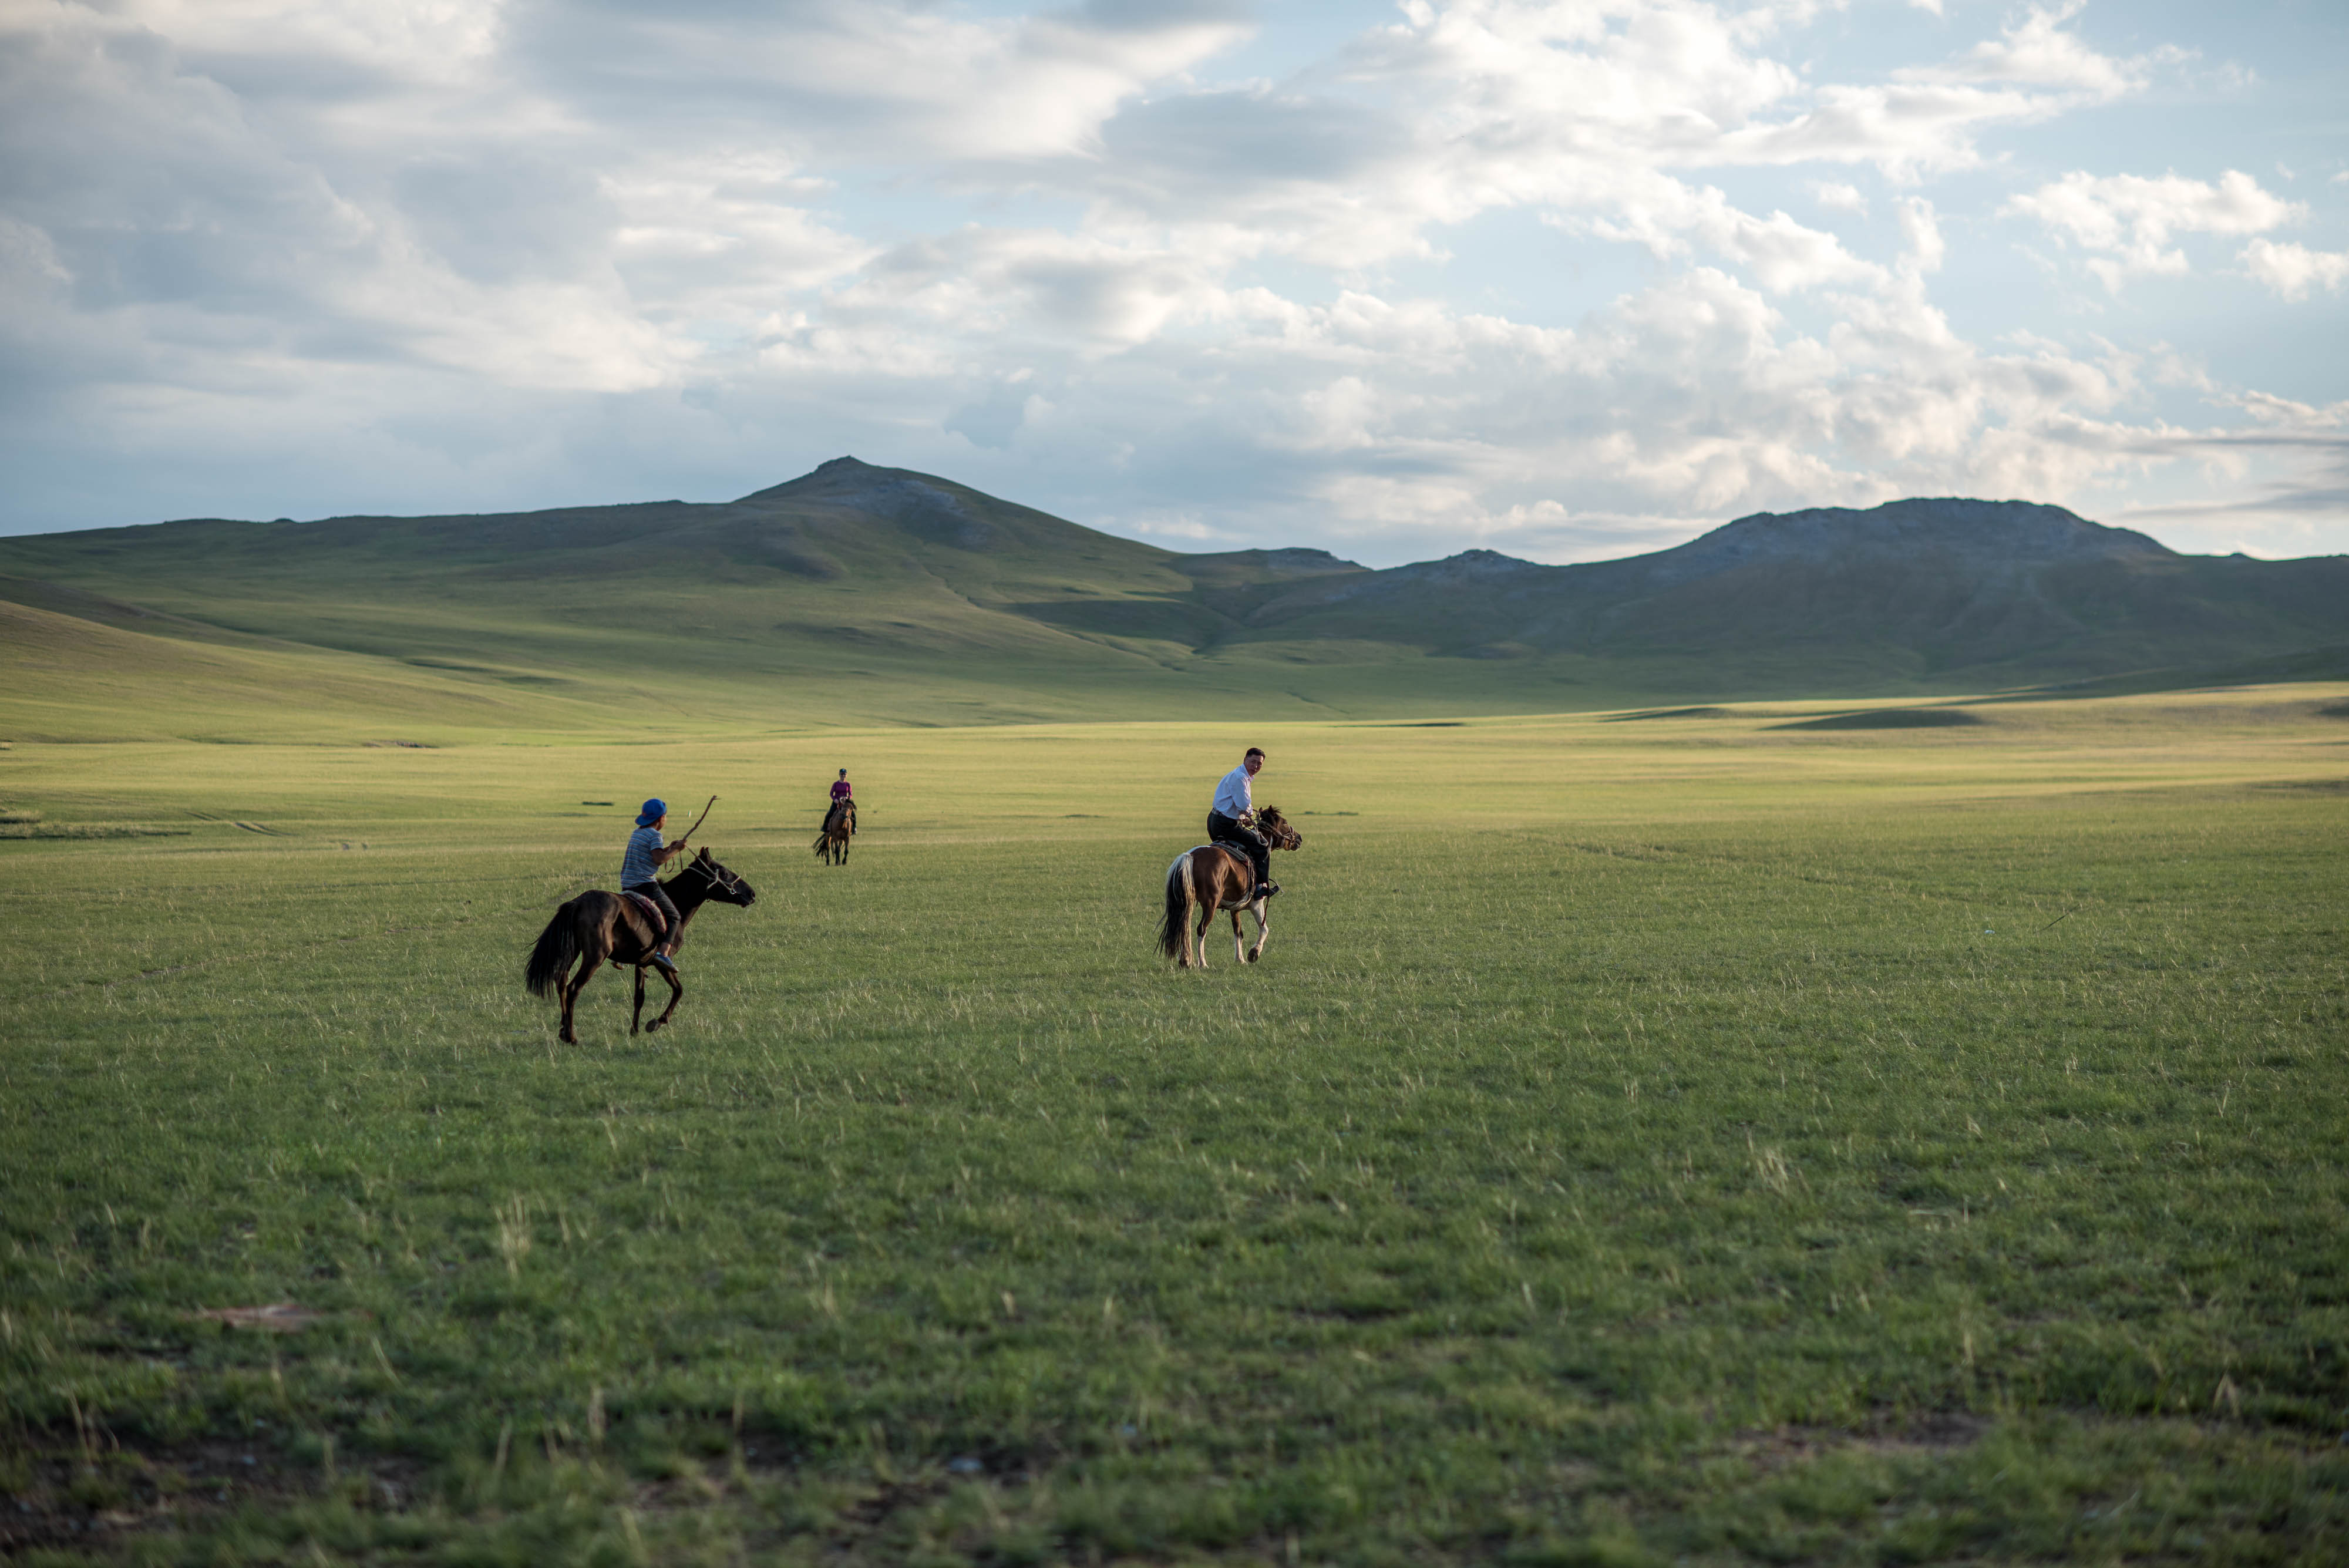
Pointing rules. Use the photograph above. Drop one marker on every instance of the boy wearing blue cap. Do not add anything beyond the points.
(646, 852)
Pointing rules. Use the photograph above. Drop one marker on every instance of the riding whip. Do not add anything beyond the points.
(697, 823)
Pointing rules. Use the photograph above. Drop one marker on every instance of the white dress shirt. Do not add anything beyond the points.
(1232, 797)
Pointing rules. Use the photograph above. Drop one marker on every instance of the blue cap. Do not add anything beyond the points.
(655, 809)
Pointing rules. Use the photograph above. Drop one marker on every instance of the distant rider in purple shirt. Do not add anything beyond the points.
(842, 809)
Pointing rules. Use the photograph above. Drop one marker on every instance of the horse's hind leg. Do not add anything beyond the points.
(1239, 944)
(571, 990)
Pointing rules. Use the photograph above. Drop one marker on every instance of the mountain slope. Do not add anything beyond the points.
(856, 595)
(1967, 594)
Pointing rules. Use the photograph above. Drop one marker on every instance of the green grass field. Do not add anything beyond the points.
(1684, 1140)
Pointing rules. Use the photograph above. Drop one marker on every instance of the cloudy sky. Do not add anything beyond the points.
(1567, 280)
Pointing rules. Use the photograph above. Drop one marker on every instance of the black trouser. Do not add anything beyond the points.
(1231, 830)
(661, 900)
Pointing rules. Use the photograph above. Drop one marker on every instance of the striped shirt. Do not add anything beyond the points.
(638, 866)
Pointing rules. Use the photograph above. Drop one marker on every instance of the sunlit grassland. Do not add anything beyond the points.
(1668, 1138)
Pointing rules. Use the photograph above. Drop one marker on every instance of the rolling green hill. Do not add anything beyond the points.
(858, 595)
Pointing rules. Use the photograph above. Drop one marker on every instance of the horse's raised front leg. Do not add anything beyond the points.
(1262, 928)
(571, 990)
(676, 995)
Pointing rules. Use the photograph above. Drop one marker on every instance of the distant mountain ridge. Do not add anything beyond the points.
(858, 593)
(1989, 592)
(1987, 536)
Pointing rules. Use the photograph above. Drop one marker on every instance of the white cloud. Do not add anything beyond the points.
(1920, 228)
(1838, 196)
(1667, 218)
(2038, 51)
(2291, 270)
(2129, 219)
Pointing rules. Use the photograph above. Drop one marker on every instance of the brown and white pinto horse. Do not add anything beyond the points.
(610, 927)
(1215, 877)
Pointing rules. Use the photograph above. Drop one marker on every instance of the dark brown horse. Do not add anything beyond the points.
(839, 827)
(612, 928)
(1215, 876)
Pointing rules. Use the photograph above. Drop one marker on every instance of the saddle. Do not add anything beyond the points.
(651, 912)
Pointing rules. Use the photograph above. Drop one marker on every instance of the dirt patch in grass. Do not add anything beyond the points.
(1937, 1432)
(95, 1494)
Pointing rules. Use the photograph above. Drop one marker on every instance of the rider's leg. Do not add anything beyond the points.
(1249, 842)
(1259, 854)
(665, 942)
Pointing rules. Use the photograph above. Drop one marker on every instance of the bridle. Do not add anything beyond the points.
(716, 875)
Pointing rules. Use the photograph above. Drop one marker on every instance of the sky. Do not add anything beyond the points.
(1568, 281)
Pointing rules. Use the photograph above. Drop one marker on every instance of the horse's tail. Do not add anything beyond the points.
(823, 840)
(1178, 907)
(557, 950)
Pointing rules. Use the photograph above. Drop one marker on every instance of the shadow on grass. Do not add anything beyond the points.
(1891, 719)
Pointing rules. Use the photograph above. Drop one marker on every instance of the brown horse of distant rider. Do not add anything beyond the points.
(602, 928)
(1215, 876)
(831, 845)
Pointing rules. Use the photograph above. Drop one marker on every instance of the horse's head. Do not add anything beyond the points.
(724, 887)
(1276, 830)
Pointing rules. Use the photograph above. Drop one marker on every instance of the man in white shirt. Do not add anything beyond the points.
(1230, 817)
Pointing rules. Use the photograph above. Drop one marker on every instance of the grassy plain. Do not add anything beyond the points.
(1672, 1139)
